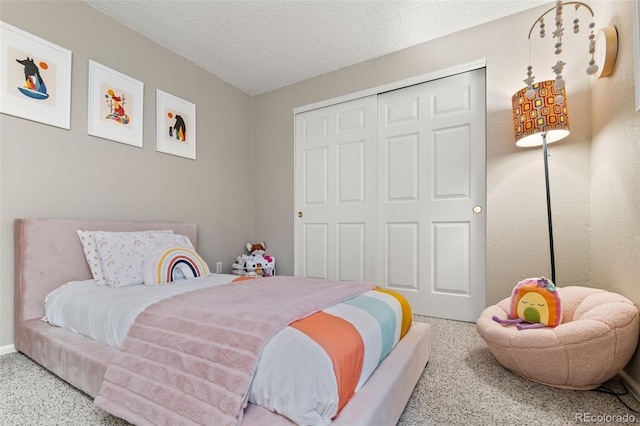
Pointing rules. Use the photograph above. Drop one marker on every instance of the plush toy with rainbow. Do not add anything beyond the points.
(534, 301)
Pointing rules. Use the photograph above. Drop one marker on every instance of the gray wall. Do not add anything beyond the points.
(594, 171)
(51, 172)
(615, 171)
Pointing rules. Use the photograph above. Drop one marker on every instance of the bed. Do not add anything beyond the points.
(48, 254)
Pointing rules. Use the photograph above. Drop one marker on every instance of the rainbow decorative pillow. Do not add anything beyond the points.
(534, 301)
(168, 264)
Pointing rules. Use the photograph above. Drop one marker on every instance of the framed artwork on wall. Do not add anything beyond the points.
(115, 105)
(176, 125)
(35, 78)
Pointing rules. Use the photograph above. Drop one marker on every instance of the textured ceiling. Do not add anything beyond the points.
(262, 45)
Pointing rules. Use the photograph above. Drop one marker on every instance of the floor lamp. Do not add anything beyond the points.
(540, 118)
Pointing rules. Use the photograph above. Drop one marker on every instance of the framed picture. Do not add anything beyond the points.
(636, 43)
(36, 78)
(176, 125)
(115, 105)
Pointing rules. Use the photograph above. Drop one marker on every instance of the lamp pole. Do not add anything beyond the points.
(546, 177)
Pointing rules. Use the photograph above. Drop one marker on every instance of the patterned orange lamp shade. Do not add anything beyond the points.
(540, 117)
(540, 110)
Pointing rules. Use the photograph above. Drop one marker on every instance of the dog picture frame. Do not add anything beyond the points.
(176, 125)
(35, 78)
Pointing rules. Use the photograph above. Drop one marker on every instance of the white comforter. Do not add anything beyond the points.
(106, 314)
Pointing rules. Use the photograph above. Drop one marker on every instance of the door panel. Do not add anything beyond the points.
(451, 258)
(401, 170)
(315, 249)
(402, 256)
(351, 251)
(431, 165)
(351, 176)
(336, 192)
(450, 163)
(315, 177)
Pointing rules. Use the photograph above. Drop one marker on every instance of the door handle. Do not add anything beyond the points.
(300, 214)
(477, 209)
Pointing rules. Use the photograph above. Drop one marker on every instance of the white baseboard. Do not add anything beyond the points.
(7, 349)
(634, 387)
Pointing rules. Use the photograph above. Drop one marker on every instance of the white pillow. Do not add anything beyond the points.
(168, 264)
(121, 253)
(91, 254)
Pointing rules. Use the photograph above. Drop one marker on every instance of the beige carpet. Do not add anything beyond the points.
(461, 385)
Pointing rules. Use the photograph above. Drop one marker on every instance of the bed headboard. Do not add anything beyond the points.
(48, 253)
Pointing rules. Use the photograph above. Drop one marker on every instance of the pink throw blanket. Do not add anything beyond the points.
(190, 359)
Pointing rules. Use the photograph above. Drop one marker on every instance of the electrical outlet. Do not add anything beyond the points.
(218, 267)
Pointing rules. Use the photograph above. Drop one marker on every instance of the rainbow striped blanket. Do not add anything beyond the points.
(310, 369)
(192, 358)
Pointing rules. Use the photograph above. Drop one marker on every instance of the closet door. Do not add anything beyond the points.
(431, 197)
(335, 192)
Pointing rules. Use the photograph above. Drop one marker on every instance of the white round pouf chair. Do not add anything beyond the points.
(597, 337)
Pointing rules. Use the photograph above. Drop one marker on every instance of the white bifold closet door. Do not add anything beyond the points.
(392, 188)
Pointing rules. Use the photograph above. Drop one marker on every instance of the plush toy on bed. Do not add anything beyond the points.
(256, 263)
(264, 265)
(257, 248)
(534, 301)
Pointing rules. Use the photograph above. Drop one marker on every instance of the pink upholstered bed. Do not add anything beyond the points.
(49, 254)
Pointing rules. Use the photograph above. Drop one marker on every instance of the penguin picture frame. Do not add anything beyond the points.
(175, 125)
(35, 78)
(115, 105)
